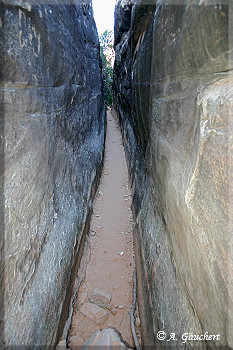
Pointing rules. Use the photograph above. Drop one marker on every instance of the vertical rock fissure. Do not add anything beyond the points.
(105, 291)
(173, 95)
(175, 109)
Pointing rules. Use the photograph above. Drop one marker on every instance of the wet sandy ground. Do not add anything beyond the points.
(108, 259)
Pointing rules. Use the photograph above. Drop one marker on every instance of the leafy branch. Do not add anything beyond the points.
(107, 56)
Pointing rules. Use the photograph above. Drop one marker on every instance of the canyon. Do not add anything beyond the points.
(173, 97)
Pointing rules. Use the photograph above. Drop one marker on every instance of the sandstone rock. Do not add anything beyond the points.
(173, 94)
(82, 296)
(94, 313)
(105, 338)
(114, 311)
(61, 345)
(54, 119)
(75, 341)
(100, 297)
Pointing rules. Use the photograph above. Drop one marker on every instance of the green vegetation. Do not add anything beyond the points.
(107, 56)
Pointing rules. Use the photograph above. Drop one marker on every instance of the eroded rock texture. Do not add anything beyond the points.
(54, 138)
(173, 91)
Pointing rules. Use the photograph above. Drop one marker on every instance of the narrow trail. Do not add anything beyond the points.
(108, 258)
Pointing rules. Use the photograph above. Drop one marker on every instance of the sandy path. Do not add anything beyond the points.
(110, 234)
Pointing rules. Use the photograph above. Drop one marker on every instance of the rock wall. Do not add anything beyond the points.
(53, 149)
(173, 92)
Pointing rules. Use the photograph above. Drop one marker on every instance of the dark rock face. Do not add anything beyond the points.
(173, 91)
(54, 138)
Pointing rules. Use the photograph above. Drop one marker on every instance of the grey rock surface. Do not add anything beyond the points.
(105, 339)
(53, 148)
(173, 92)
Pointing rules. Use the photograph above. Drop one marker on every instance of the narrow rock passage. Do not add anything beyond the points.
(108, 258)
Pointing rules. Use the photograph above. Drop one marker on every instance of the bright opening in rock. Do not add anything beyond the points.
(104, 17)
